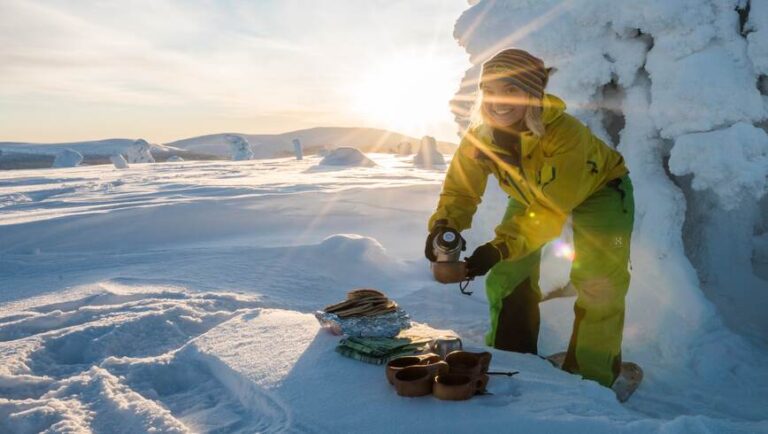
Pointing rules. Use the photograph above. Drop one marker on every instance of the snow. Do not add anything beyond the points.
(681, 106)
(152, 322)
(139, 152)
(118, 161)
(428, 156)
(174, 159)
(347, 157)
(297, 149)
(67, 158)
(240, 148)
(86, 148)
(313, 140)
(733, 163)
(757, 38)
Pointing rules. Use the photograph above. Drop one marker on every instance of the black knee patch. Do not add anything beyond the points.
(518, 326)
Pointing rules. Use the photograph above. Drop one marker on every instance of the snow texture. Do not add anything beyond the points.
(139, 152)
(733, 163)
(347, 157)
(118, 161)
(67, 158)
(428, 156)
(240, 148)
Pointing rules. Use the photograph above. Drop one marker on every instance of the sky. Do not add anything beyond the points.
(164, 70)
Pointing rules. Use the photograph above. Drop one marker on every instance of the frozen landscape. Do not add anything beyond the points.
(178, 296)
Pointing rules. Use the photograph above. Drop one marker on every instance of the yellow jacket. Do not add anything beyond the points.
(559, 171)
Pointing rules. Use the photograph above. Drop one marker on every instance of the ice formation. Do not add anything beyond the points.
(67, 158)
(346, 156)
(241, 149)
(119, 161)
(297, 149)
(139, 152)
(428, 155)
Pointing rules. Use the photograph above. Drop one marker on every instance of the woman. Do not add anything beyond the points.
(551, 166)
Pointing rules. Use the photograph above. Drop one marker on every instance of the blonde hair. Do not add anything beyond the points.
(532, 119)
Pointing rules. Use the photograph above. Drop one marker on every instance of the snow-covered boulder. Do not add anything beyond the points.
(174, 159)
(119, 161)
(139, 152)
(428, 155)
(345, 156)
(67, 158)
(404, 148)
(732, 163)
(240, 148)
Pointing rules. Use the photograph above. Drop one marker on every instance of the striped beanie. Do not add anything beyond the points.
(519, 68)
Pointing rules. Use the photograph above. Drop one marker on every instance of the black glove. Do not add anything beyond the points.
(482, 260)
(437, 230)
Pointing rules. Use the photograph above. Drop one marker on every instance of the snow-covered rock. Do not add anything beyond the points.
(139, 152)
(733, 163)
(118, 161)
(428, 155)
(404, 148)
(67, 158)
(345, 156)
(240, 148)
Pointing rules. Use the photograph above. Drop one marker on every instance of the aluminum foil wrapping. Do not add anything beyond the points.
(379, 326)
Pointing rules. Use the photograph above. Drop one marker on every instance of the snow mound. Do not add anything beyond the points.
(353, 247)
(240, 148)
(174, 159)
(67, 158)
(733, 163)
(139, 152)
(428, 155)
(118, 161)
(348, 157)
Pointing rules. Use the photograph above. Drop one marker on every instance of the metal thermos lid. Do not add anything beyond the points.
(449, 239)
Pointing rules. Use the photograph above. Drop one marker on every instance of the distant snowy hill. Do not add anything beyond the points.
(21, 155)
(312, 140)
(94, 147)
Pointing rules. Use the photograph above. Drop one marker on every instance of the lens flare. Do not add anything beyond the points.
(564, 250)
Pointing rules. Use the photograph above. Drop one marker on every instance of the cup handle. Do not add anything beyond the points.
(480, 384)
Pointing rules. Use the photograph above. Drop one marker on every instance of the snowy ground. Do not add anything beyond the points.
(176, 297)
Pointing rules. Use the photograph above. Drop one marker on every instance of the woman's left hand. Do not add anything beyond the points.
(482, 260)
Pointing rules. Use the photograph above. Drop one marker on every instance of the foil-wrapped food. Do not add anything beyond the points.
(383, 325)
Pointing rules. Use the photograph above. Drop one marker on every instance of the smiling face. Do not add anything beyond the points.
(503, 103)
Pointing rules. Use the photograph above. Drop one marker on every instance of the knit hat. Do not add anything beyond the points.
(517, 67)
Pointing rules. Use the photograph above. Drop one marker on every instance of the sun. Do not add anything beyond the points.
(407, 93)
